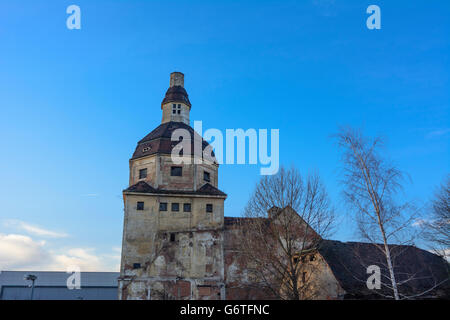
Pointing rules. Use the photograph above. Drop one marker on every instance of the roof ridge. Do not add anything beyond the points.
(144, 187)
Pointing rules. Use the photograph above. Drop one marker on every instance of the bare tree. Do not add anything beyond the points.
(286, 217)
(371, 185)
(437, 226)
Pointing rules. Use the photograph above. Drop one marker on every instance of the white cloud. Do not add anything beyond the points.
(35, 230)
(21, 252)
(85, 259)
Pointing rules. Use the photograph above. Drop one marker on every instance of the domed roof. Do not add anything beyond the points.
(176, 94)
(159, 140)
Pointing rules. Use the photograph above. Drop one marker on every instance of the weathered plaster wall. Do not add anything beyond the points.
(158, 173)
(237, 279)
(320, 281)
(172, 248)
(168, 114)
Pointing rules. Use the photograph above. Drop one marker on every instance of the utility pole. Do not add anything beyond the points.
(32, 278)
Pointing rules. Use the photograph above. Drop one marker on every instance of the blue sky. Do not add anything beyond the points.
(74, 103)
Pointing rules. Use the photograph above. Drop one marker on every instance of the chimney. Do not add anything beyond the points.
(177, 79)
(272, 212)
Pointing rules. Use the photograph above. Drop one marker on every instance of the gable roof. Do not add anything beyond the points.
(211, 190)
(349, 261)
(141, 187)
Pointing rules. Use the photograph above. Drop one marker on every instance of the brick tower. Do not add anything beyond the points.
(172, 246)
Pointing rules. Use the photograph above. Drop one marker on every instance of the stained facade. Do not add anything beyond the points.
(177, 244)
(172, 244)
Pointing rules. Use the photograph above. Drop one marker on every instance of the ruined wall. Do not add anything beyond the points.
(188, 266)
(195, 255)
(172, 254)
(318, 279)
(317, 282)
(238, 282)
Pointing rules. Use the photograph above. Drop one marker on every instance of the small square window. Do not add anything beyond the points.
(176, 171)
(174, 111)
(209, 207)
(206, 176)
(179, 106)
(175, 207)
(163, 206)
(187, 207)
(140, 205)
(142, 173)
(136, 265)
(179, 111)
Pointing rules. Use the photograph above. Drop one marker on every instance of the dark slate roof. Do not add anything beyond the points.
(230, 222)
(348, 262)
(159, 140)
(144, 187)
(210, 189)
(141, 187)
(176, 94)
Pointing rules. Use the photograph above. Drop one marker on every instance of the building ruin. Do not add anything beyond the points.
(177, 244)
